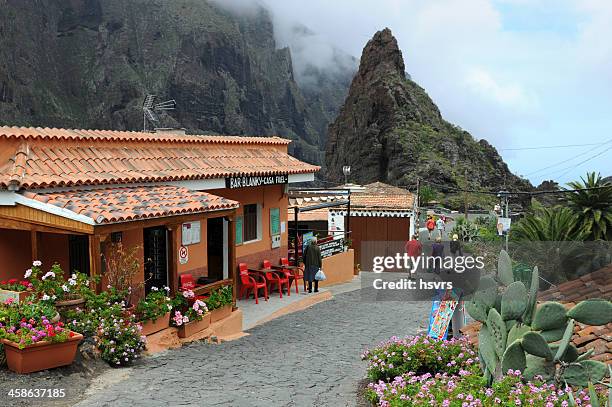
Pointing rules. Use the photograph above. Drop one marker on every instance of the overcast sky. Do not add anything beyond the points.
(519, 73)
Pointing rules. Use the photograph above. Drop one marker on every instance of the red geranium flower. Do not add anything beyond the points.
(71, 334)
(13, 281)
(3, 282)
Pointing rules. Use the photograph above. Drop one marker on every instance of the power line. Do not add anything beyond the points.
(550, 147)
(567, 160)
(584, 161)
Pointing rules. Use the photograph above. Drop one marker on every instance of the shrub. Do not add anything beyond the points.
(184, 312)
(470, 389)
(220, 297)
(154, 305)
(119, 337)
(419, 354)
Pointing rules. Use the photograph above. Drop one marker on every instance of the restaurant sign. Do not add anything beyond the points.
(331, 247)
(255, 181)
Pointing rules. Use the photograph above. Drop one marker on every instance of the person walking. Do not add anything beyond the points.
(437, 253)
(455, 246)
(441, 226)
(430, 224)
(414, 249)
(312, 264)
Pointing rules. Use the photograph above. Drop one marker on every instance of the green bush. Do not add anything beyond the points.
(419, 354)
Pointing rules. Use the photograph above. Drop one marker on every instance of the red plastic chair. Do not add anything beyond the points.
(188, 283)
(249, 281)
(292, 275)
(275, 279)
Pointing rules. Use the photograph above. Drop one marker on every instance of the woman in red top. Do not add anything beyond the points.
(430, 225)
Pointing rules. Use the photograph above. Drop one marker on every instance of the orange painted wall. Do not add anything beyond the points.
(338, 268)
(270, 197)
(15, 252)
(198, 256)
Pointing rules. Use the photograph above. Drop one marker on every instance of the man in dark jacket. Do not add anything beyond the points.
(437, 252)
(312, 264)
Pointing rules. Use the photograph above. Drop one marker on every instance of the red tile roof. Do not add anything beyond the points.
(58, 158)
(378, 195)
(123, 204)
(597, 284)
(33, 133)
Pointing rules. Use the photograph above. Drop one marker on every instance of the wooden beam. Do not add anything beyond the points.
(7, 223)
(94, 260)
(161, 221)
(231, 253)
(34, 243)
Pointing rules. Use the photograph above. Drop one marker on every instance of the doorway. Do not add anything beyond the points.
(216, 236)
(156, 257)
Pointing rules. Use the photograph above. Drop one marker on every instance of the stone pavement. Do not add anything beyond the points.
(308, 358)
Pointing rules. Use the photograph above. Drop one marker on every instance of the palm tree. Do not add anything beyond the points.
(593, 206)
(552, 239)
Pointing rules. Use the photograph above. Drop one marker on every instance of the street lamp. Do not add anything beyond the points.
(346, 170)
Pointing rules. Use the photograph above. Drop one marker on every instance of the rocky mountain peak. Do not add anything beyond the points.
(390, 130)
(382, 53)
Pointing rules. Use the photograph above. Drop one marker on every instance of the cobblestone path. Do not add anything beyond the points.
(309, 358)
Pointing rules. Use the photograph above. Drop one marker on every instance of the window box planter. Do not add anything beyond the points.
(151, 326)
(191, 328)
(41, 355)
(17, 296)
(220, 313)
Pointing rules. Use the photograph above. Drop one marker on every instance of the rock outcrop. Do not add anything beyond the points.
(390, 130)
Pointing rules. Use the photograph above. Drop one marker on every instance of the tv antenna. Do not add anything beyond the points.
(150, 109)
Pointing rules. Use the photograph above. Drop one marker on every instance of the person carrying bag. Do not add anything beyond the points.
(312, 265)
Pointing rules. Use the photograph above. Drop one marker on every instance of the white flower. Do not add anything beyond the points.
(53, 296)
(188, 294)
(74, 276)
(185, 319)
(45, 297)
(65, 288)
(49, 274)
(86, 282)
(37, 263)
(72, 282)
(28, 273)
(169, 307)
(167, 288)
(154, 289)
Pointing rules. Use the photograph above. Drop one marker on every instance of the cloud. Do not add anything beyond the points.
(510, 95)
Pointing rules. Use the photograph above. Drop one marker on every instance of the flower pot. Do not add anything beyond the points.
(17, 296)
(40, 356)
(220, 313)
(151, 326)
(191, 328)
(67, 305)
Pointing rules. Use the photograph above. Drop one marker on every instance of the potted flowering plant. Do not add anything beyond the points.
(35, 343)
(154, 310)
(220, 303)
(190, 319)
(52, 287)
(15, 290)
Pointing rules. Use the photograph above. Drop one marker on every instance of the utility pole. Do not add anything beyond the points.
(416, 210)
(505, 209)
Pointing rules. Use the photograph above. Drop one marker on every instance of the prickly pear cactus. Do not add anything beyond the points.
(592, 312)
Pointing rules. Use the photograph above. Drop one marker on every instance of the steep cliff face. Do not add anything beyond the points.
(390, 130)
(89, 63)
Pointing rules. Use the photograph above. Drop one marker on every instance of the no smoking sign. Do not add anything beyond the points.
(183, 255)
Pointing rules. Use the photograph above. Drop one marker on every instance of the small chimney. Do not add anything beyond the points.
(169, 131)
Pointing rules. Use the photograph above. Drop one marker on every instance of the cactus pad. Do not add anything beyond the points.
(549, 315)
(497, 329)
(592, 312)
(538, 366)
(565, 341)
(533, 296)
(504, 269)
(517, 332)
(536, 345)
(554, 335)
(514, 301)
(514, 358)
(487, 349)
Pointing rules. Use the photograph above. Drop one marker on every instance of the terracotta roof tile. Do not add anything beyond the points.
(29, 133)
(85, 157)
(122, 204)
(378, 195)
